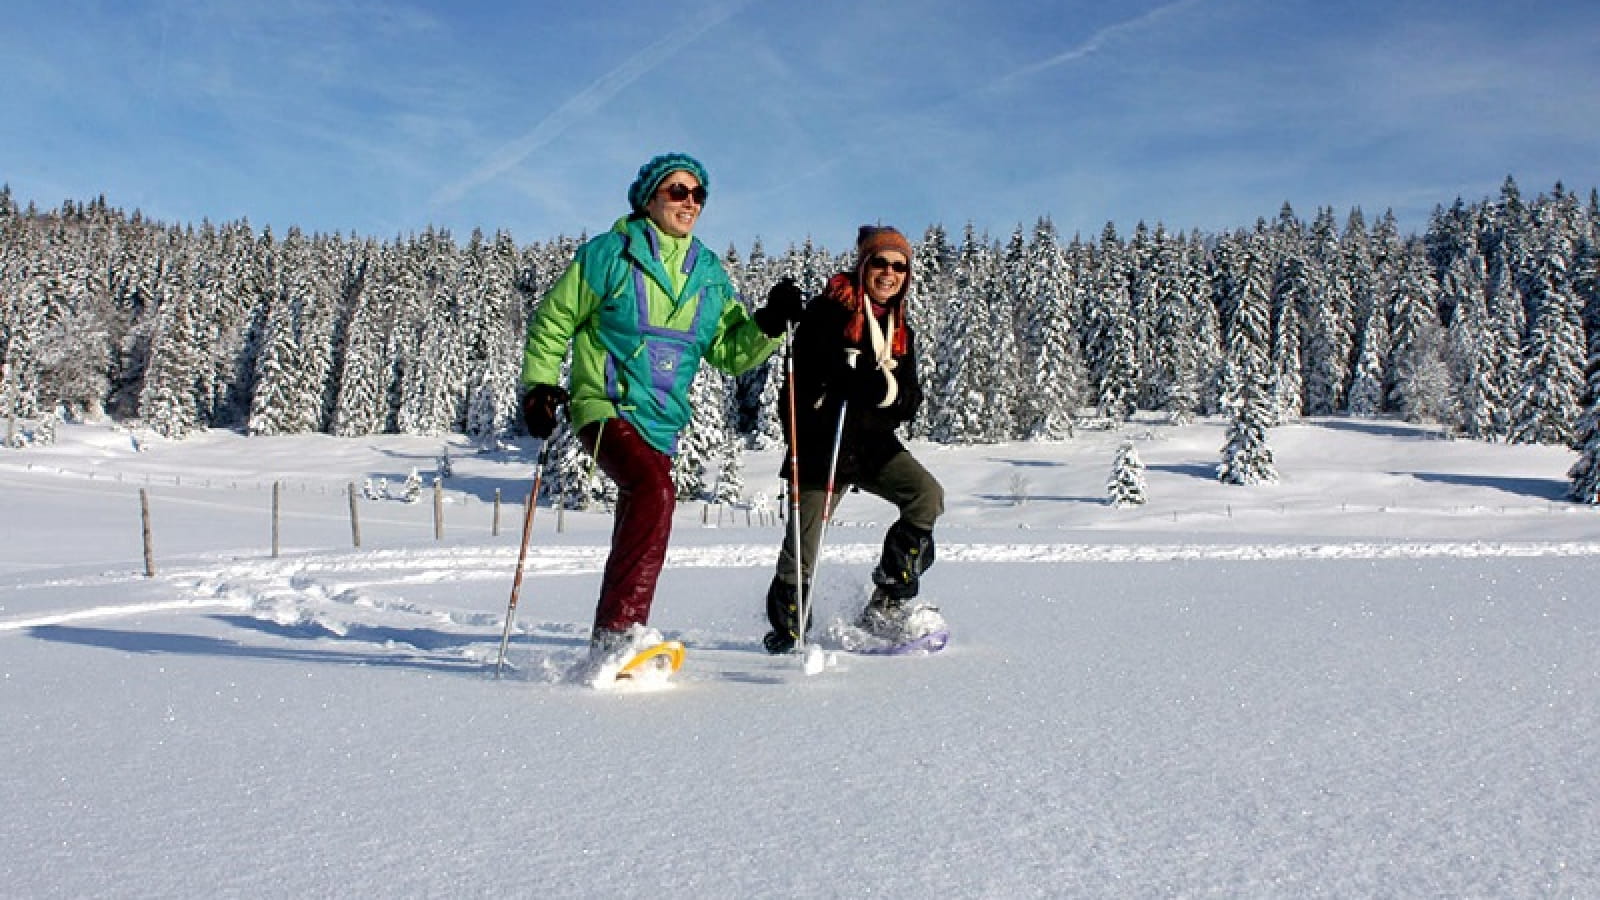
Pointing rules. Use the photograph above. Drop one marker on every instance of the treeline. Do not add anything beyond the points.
(1486, 323)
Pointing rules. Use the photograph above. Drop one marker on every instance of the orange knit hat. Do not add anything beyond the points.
(873, 239)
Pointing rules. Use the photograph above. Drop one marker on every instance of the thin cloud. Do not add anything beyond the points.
(585, 103)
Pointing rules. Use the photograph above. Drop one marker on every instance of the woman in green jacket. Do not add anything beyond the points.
(640, 307)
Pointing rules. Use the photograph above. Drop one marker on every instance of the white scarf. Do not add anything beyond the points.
(883, 358)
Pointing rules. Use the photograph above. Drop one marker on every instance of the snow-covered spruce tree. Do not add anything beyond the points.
(1424, 389)
(1139, 258)
(292, 372)
(1110, 338)
(167, 402)
(231, 289)
(418, 276)
(1548, 403)
(1290, 289)
(1369, 312)
(709, 440)
(138, 270)
(1451, 235)
(1126, 486)
(435, 396)
(361, 402)
(1175, 379)
(929, 315)
(1326, 326)
(1508, 318)
(1054, 375)
(1416, 343)
(1208, 341)
(325, 282)
(1367, 378)
(571, 479)
(80, 302)
(1247, 458)
(1470, 351)
(1587, 279)
(1585, 473)
(279, 403)
(964, 353)
(1003, 384)
(494, 343)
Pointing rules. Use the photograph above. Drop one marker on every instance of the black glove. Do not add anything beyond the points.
(540, 409)
(785, 303)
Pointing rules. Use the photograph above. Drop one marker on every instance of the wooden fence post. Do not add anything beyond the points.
(149, 550)
(495, 530)
(275, 505)
(438, 510)
(355, 519)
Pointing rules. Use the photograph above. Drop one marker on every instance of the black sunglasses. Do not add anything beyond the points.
(883, 262)
(678, 192)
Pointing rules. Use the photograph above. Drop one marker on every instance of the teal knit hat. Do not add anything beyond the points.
(652, 173)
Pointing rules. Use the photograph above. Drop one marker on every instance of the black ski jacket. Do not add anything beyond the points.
(825, 379)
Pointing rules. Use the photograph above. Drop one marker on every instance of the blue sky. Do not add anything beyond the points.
(380, 118)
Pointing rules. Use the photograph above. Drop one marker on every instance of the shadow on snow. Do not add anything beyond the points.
(1542, 488)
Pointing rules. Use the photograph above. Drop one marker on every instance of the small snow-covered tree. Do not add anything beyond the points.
(1424, 390)
(1247, 458)
(1126, 486)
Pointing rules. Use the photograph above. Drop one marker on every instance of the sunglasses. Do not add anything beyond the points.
(882, 262)
(678, 192)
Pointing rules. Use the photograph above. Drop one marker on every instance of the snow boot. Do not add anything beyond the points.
(881, 616)
(783, 613)
(610, 649)
(907, 553)
(896, 621)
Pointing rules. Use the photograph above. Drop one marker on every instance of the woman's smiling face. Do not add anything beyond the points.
(676, 217)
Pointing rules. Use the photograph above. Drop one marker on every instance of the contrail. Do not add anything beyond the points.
(585, 102)
(1093, 43)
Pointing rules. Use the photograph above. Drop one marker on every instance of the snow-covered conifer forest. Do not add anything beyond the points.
(1488, 323)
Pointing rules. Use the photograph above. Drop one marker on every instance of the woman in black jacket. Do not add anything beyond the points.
(853, 347)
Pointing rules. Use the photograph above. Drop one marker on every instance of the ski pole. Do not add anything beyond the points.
(522, 554)
(794, 484)
(827, 499)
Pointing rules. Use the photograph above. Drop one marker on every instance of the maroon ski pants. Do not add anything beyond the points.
(642, 525)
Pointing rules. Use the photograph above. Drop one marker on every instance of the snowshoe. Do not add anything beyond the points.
(638, 655)
(888, 625)
(891, 619)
